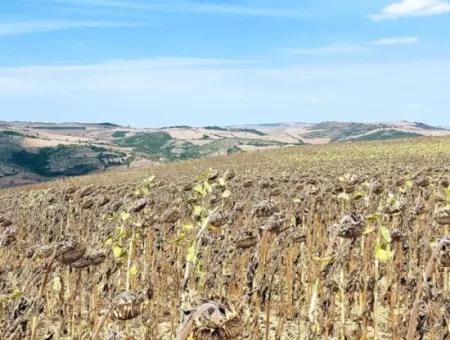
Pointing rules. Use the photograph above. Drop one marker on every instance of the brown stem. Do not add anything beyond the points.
(41, 295)
(100, 324)
(186, 330)
(268, 313)
(426, 277)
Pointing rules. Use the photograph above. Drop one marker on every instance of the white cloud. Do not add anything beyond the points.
(189, 7)
(396, 41)
(119, 75)
(33, 26)
(413, 8)
(202, 91)
(329, 50)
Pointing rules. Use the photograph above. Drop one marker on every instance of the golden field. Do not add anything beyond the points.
(340, 241)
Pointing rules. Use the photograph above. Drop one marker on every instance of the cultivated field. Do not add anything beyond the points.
(36, 152)
(341, 241)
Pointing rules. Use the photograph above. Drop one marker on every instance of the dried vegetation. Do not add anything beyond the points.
(344, 241)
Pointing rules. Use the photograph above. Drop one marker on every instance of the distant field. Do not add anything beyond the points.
(58, 127)
(34, 152)
(339, 241)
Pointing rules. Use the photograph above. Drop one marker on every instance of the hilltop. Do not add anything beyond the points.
(33, 152)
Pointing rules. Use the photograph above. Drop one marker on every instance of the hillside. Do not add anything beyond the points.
(342, 240)
(33, 152)
(29, 158)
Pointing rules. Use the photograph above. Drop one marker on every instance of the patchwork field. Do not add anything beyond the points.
(37, 152)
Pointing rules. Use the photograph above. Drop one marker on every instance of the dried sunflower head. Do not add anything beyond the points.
(91, 259)
(8, 236)
(213, 320)
(265, 209)
(126, 306)
(443, 216)
(444, 255)
(68, 252)
(351, 226)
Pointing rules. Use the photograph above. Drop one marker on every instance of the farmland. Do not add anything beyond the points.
(37, 152)
(337, 241)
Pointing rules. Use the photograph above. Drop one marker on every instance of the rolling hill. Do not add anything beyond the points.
(34, 152)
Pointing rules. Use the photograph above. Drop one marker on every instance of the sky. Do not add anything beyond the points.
(184, 62)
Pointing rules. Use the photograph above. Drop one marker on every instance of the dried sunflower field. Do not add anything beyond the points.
(343, 241)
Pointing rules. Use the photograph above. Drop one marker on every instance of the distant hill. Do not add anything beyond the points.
(333, 132)
(32, 152)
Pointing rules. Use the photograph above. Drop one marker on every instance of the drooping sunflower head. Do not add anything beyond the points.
(213, 320)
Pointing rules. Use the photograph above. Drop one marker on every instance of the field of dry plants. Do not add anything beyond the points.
(345, 241)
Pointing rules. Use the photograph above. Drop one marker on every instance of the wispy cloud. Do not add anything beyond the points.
(412, 8)
(116, 75)
(349, 48)
(190, 7)
(142, 92)
(332, 49)
(396, 41)
(34, 26)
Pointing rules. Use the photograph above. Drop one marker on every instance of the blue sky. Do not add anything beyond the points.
(157, 63)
